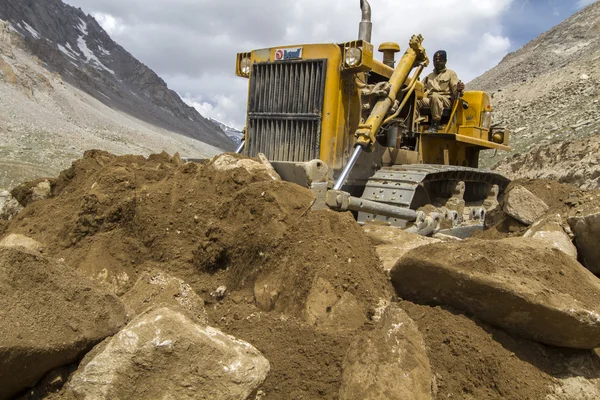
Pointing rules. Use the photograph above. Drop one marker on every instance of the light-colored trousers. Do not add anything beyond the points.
(436, 103)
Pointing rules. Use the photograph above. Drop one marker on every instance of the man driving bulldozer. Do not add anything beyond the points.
(442, 87)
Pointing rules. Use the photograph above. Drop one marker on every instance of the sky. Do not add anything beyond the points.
(192, 44)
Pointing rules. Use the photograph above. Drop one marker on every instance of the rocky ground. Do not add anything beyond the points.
(573, 161)
(548, 93)
(216, 280)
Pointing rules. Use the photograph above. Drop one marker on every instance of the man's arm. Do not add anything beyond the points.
(456, 85)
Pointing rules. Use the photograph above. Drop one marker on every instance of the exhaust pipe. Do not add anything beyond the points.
(366, 27)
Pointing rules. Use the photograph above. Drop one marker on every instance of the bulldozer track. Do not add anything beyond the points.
(413, 186)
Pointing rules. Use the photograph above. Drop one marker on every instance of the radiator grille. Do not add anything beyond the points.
(285, 110)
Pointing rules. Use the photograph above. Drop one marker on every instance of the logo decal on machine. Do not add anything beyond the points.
(288, 54)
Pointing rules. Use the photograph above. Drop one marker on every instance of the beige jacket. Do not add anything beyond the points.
(443, 83)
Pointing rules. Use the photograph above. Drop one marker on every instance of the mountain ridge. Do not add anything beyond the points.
(74, 45)
(548, 91)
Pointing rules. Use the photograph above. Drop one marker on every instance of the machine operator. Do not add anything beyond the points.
(442, 87)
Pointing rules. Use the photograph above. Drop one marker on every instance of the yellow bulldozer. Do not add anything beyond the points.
(333, 118)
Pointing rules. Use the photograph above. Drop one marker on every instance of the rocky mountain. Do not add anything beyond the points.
(234, 134)
(66, 87)
(75, 46)
(572, 161)
(548, 92)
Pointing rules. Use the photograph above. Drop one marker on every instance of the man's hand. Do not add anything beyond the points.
(460, 87)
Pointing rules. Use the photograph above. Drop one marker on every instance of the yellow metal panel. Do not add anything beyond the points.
(381, 69)
(332, 126)
(477, 101)
(474, 132)
(482, 143)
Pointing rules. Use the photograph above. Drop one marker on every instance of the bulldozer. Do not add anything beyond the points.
(333, 118)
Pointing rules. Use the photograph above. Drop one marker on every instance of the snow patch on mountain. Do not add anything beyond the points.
(29, 29)
(89, 55)
(235, 134)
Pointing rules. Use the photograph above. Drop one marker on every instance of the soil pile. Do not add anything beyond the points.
(298, 285)
(50, 314)
(472, 360)
(219, 230)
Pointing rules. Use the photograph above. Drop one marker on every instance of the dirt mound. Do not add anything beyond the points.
(230, 232)
(114, 218)
(562, 198)
(50, 316)
(471, 360)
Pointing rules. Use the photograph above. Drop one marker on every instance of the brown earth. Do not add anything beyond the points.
(472, 360)
(113, 218)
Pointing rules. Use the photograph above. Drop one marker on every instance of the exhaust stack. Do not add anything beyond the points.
(366, 26)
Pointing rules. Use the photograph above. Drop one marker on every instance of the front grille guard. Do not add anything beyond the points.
(285, 109)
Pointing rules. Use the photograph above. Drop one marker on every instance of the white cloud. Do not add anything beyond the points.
(192, 44)
(223, 108)
(490, 50)
(113, 26)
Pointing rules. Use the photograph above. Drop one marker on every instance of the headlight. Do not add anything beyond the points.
(245, 66)
(353, 56)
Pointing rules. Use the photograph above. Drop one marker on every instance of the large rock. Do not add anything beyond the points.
(162, 354)
(157, 288)
(28, 192)
(50, 316)
(228, 162)
(16, 240)
(392, 243)
(328, 309)
(523, 205)
(550, 230)
(388, 362)
(9, 206)
(587, 238)
(518, 284)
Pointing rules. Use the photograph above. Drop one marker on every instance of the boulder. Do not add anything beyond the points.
(29, 192)
(326, 307)
(50, 317)
(228, 162)
(523, 205)
(550, 230)
(518, 284)
(389, 362)
(9, 207)
(392, 243)
(587, 233)
(163, 354)
(16, 240)
(157, 288)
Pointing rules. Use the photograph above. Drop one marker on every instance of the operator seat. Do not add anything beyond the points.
(423, 111)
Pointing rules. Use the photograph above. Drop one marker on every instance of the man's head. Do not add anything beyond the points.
(439, 60)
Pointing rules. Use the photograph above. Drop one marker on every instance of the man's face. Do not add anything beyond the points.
(439, 63)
